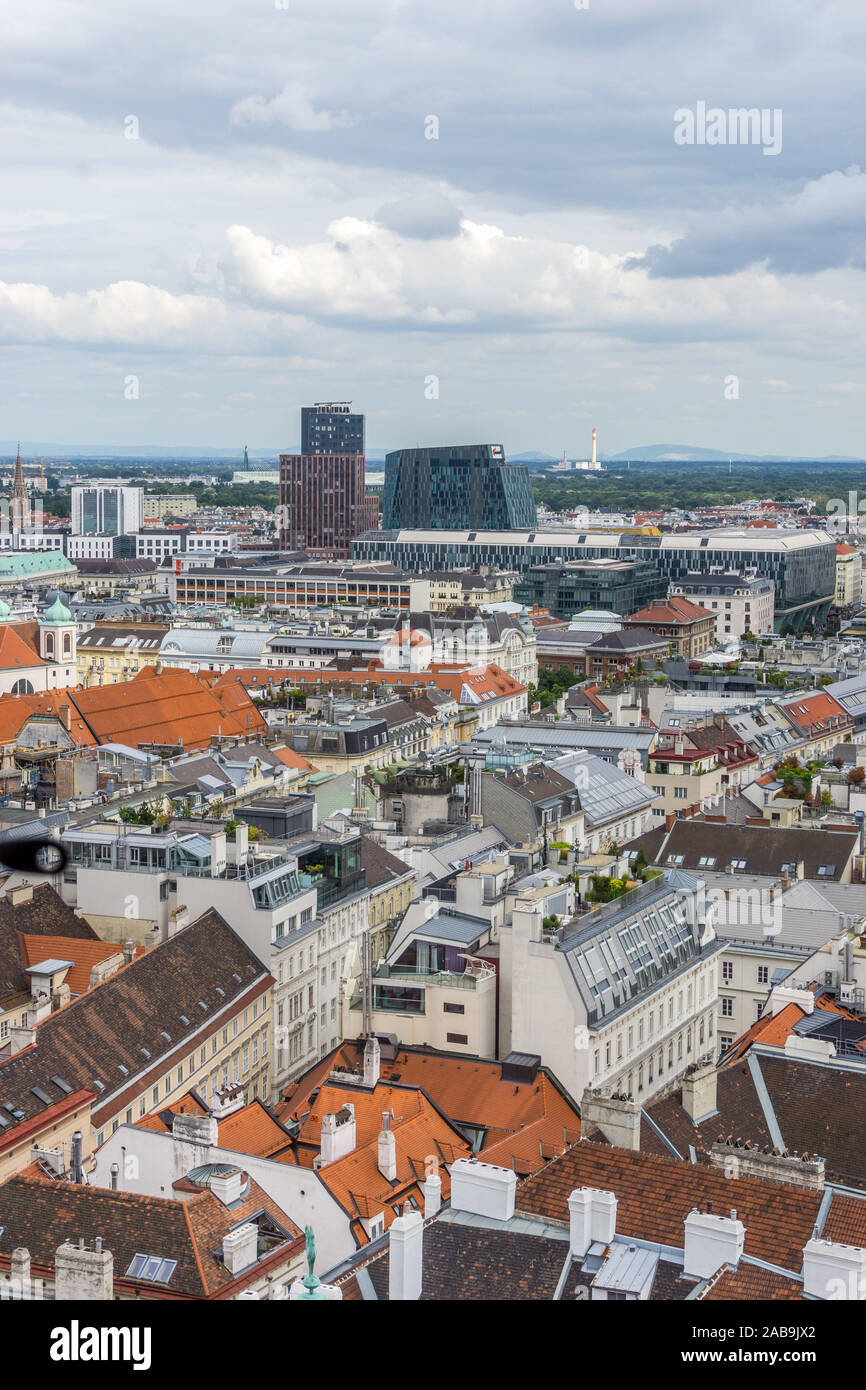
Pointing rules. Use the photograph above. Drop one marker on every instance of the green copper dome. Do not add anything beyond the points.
(58, 615)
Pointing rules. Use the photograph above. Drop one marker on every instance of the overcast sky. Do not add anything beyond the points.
(282, 230)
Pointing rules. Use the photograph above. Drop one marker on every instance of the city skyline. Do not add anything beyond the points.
(214, 216)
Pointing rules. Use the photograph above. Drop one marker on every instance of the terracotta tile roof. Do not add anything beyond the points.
(293, 759)
(519, 1118)
(818, 713)
(16, 710)
(674, 610)
(655, 1195)
(15, 651)
(846, 1221)
(420, 1132)
(751, 1282)
(176, 707)
(42, 915)
(41, 1214)
(84, 955)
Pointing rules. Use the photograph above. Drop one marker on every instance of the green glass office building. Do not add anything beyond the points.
(456, 486)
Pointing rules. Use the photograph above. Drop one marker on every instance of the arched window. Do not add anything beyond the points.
(67, 644)
(49, 644)
(22, 687)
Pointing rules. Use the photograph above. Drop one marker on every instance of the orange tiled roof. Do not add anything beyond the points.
(250, 1130)
(670, 610)
(293, 759)
(655, 1195)
(83, 953)
(15, 710)
(420, 1132)
(15, 651)
(172, 708)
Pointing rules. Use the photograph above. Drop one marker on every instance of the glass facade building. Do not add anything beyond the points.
(465, 485)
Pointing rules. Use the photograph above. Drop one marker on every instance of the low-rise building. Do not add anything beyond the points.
(687, 627)
(742, 602)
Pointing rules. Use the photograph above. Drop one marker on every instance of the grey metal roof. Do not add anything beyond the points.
(564, 736)
(446, 926)
(606, 792)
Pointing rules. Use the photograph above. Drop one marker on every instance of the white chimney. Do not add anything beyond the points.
(783, 995)
(711, 1242)
(81, 1274)
(240, 1247)
(432, 1189)
(406, 1256)
(594, 442)
(387, 1150)
(195, 1129)
(592, 1217)
(227, 1186)
(699, 1091)
(834, 1271)
(483, 1189)
(372, 1061)
(338, 1135)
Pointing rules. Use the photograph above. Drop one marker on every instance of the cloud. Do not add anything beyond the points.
(426, 215)
(486, 281)
(818, 228)
(291, 107)
(127, 313)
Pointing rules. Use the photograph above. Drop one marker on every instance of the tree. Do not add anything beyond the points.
(856, 776)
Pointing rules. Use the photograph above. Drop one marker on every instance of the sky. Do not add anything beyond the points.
(505, 221)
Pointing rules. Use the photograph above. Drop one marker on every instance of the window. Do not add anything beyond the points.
(151, 1267)
(681, 793)
(461, 1038)
(725, 1040)
(739, 863)
(454, 1008)
(706, 861)
(727, 969)
(826, 870)
(727, 1007)
(763, 974)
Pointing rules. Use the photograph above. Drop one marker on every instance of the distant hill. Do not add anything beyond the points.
(691, 453)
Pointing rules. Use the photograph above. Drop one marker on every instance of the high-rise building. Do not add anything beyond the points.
(471, 485)
(112, 509)
(330, 428)
(322, 504)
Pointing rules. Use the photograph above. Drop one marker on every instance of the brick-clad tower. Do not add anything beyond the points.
(322, 488)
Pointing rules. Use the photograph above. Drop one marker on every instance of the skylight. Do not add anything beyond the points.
(151, 1267)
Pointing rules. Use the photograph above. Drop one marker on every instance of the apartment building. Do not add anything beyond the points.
(195, 1010)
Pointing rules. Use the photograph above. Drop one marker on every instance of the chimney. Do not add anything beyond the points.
(128, 952)
(710, 1242)
(617, 1117)
(227, 1102)
(834, 1271)
(83, 1274)
(783, 995)
(591, 1218)
(242, 842)
(196, 1129)
(227, 1186)
(748, 1160)
(65, 716)
(22, 894)
(115, 1173)
(594, 443)
(699, 1091)
(338, 1135)
(240, 1247)
(372, 1062)
(76, 1167)
(387, 1150)
(432, 1189)
(22, 1036)
(484, 1189)
(406, 1257)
